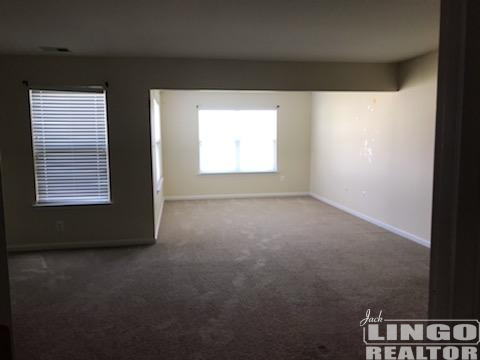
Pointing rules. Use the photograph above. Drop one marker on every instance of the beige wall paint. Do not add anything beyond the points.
(180, 129)
(5, 309)
(373, 152)
(131, 216)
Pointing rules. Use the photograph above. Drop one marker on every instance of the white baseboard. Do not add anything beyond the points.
(159, 220)
(79, 245)
(379, 223)
(234, 196)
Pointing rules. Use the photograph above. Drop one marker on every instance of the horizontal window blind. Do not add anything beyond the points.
(70, 146)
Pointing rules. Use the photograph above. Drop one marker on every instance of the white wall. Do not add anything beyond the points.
(180, 140)
(372, 152)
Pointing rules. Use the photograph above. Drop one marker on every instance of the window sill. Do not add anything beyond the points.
(239, 173)
(63, 204)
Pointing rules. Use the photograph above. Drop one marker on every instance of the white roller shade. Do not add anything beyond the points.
(70, 146)
(236, 141)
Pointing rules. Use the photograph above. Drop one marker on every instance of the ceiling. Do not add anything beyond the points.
(298, 30)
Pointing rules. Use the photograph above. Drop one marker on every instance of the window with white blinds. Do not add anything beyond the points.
(70, 146)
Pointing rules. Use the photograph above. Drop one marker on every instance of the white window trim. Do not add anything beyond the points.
(72, 203)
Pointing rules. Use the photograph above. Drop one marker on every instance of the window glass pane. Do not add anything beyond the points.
(157, 139)
(217, 156)
(257, 156)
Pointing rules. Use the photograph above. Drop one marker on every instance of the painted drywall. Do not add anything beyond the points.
(157, 159)
(181, 146)
(130, 218)
(373, 152)
(5, 303)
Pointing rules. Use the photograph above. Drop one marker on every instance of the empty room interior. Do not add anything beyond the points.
(203, 181)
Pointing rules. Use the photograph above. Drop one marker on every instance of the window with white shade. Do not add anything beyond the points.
(70, 146)
(157, 143)
(236, 141)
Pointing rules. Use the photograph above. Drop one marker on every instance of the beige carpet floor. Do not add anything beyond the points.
(278, 278)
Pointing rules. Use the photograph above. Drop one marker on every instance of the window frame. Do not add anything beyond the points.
(90, 89)
(157, 144)
(238, 108)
